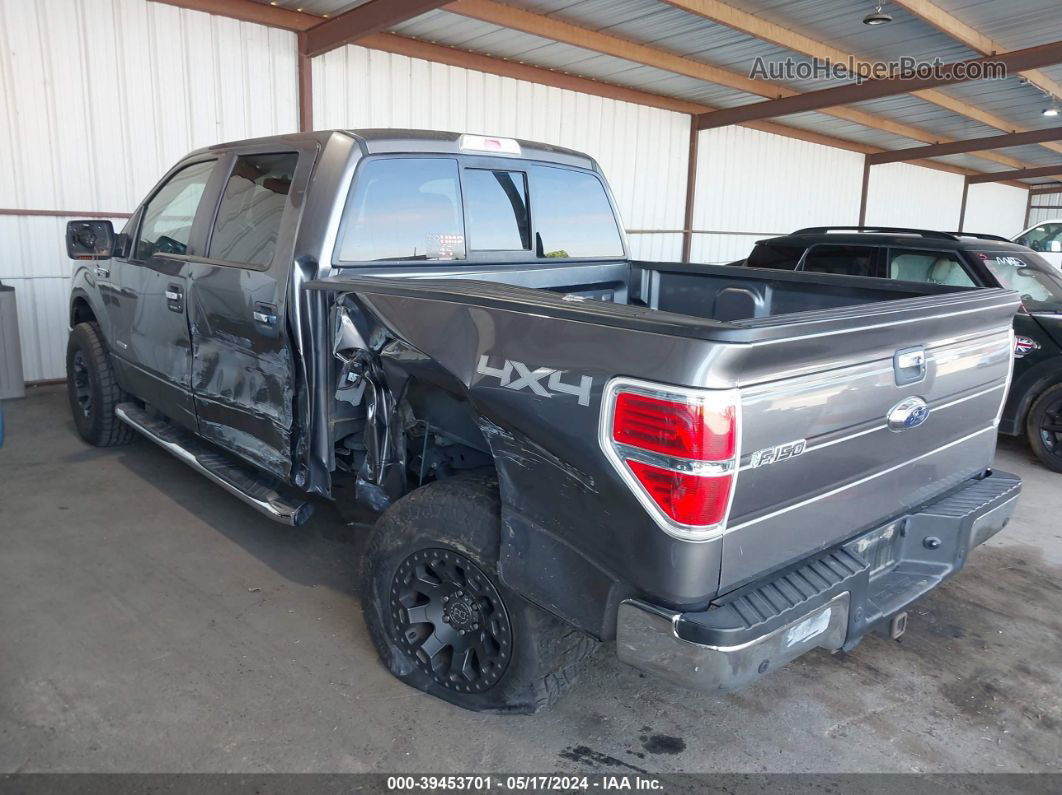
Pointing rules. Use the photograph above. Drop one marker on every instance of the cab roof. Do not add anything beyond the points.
(374, 141)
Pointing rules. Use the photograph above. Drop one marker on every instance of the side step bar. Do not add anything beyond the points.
(252, 488)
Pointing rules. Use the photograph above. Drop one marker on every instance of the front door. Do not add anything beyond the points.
(242, 365)
(152, 343)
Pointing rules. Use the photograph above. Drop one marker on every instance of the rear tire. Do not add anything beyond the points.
(1043, 427)
(441, 619)
(93, 389)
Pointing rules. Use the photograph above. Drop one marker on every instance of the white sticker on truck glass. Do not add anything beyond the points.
(542, 381)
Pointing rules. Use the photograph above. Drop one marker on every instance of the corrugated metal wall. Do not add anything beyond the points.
(996, 209)
(751, 181)
(1044, 207)
(641, 150)
(89, 126)
(904, 195)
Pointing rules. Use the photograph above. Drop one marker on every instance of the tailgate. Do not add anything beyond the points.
(864, 423)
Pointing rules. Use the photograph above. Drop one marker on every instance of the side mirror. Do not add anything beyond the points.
(1055, 246)
(90, 239)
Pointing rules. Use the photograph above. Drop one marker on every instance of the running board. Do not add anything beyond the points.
(252, 488)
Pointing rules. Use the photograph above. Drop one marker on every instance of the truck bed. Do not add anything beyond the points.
(813, 357)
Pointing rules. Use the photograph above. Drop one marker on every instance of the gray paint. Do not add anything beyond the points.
(812, 356)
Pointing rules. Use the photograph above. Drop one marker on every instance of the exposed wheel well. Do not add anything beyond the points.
(81, 312)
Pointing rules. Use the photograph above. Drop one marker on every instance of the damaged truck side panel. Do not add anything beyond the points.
(721, 468)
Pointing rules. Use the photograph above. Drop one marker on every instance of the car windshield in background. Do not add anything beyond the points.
(1039, 285)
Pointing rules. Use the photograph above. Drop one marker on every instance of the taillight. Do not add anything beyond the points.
(677, 449)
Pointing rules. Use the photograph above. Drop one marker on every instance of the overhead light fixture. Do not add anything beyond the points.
(1052, 109)
(877, 17)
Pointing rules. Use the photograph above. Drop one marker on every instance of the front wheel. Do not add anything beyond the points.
(1044, 427)
(441, 619)
(93, 389)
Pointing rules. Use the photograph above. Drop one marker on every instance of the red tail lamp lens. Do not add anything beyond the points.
(682, 429)
(686, 499)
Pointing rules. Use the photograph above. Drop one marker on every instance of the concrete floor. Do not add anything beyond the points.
(151, 622)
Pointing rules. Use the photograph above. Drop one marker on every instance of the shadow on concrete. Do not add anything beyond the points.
(326, 551)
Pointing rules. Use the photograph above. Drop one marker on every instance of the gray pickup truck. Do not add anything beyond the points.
(719, 468)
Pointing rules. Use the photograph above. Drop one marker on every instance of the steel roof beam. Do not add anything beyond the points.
(969, 145)
(950, 74)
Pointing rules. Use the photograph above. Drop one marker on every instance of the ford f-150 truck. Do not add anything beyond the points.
(719, 468)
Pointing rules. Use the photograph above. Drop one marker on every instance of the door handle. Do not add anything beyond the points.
(174, 298)
(265, 315)
(102, 271)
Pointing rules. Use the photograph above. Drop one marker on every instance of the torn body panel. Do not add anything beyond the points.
(242, 372)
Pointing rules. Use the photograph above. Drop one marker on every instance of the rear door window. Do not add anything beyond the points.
(404, 208)
(248, 220)
(572, 215)
(928, 267)
(498, 218)
(841, 259)
(769, 255)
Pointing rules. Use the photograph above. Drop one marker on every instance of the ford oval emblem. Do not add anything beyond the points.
(908, 413)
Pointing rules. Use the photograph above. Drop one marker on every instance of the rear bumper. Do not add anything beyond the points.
(829, 600)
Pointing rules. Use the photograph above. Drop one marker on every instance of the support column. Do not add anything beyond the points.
(962, 207)
(305, 87)
(863, 194)
(691, 191)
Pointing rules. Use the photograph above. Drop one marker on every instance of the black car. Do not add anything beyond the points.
(1034, 405)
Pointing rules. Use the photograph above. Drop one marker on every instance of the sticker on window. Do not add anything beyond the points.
(443, 246)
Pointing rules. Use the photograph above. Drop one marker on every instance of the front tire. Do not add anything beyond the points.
(93, 389)
(1044, 428)
(441, 619)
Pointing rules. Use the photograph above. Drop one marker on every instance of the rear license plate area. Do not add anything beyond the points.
(879, 548)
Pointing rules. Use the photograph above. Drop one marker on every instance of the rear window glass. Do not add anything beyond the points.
(767, 255)
(572, 215)
(252, 207)
(1038, 283)
(404, 209)
(844, 260)
(497, 210)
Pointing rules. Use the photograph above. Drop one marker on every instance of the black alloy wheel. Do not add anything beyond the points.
(1043, 427)
(451, 619)
(1051, 427)
(82, 384)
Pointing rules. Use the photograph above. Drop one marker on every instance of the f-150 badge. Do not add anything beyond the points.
(772, 455)
(543, 381)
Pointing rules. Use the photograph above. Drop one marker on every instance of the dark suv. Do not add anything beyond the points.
(956, 259)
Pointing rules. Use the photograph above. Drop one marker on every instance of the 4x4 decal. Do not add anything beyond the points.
(517, 375)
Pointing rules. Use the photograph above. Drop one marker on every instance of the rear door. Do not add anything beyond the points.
(242, 368)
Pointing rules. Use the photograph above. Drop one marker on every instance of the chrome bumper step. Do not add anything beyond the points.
(254, 489)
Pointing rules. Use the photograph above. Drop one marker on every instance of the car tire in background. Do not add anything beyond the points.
(1044, 427)
(93, 389)
(441, 619)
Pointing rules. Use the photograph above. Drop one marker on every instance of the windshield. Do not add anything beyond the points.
(1039, 284)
